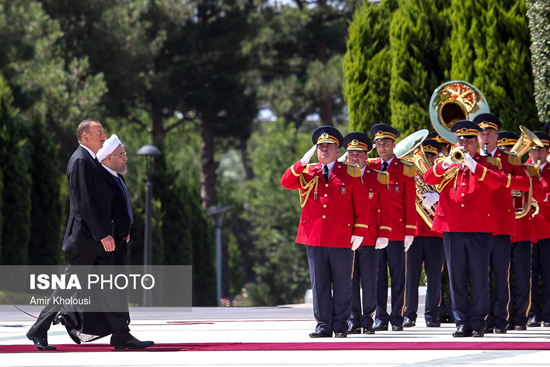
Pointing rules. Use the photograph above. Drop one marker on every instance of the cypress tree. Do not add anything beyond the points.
(367, 66)
(45, 234)
(419, 62)
(16, 199)
(538, 12)
(491, 51)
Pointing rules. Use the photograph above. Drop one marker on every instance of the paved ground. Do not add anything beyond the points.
(284, 324)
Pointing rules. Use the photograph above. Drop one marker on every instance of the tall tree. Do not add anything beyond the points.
(538, 12)
(494, 56)
(367, 66)
(16, 193)
(420, 61)
(299, 52)
(45, 228)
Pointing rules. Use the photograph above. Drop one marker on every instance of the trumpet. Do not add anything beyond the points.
(457, 155)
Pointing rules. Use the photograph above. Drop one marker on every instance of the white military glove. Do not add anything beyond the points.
(356, 242)
(469, 162)
(307, 157)
(430, 198)
(408, 242)
(381, 242)
(343, 158)
(447, 162)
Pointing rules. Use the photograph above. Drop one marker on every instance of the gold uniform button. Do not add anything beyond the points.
(339, 166)
(368, 171)
(463, 184)
(326, 195)
(400, 220)
(324, 216)
(462, 205)
(325, 205)
(462, 194)
(348, 224)
(326, 185)
(488, 215)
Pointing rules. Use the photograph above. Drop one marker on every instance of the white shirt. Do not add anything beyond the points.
(110, 170)
(89, 151)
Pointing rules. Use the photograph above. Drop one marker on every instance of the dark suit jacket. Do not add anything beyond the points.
(91, 196)
(121, 217)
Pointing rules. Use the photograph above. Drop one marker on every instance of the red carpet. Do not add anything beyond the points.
(207, 347)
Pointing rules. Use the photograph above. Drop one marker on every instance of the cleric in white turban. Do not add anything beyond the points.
(108, 147)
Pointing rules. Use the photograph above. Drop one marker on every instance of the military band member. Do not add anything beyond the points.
(522, 243)
(403, 194)
(465, 216)
(505, 216)
(366, 256)
(540, 309)
(427, 248)
(444, 151)
(333, 223)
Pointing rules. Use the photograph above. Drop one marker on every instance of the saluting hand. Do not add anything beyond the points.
(108, 243)
(307, 157)
(356, 242)
(343, 158)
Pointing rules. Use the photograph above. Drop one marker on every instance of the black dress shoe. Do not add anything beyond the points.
(340, 334)
(511, 327)
(430, 323)
(380, 326)
(500, 331)
(478, 334)
(409, 323)
(320, 334)
(533, 322)
(353, 329)
(397, 328)
(489, 330)
(133, 343)
(546, 324)
(462, 331)
(40, 343)
(520, 328)
(368, 330)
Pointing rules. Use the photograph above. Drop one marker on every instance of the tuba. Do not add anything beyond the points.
(410, 149)
(523, 204)
(454, 101)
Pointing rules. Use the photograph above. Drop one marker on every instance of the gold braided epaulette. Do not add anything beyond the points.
(409, 168)
(440, 159)
(382, 176)
(532, 169)
(513, 158)
(353, 170)
(495, 161)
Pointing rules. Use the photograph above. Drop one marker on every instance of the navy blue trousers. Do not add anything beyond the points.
(393, 256)
(365, 274)
(427, 250)
(520, 283)
(540, 308)
(467, 256)
(501, 252)
(330, 270)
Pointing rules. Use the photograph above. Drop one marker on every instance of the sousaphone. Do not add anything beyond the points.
(454, 101)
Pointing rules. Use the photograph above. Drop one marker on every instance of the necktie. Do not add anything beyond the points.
(384, 166)
(126, 196)
(325, 173)
(97, 161)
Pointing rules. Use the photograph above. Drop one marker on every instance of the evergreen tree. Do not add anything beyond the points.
(493, 54)
(367, 66)
(16, 195)
(45, 229)
(538, 12)
(419, 61)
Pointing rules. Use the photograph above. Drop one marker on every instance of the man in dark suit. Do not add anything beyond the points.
(88, 240)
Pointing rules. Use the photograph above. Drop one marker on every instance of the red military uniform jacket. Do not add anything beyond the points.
(378, 197)
(403, 196)
(541, 194)
(525, 226)
(422, 229)
(515, 178)
(465, 202)
(338, 211)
